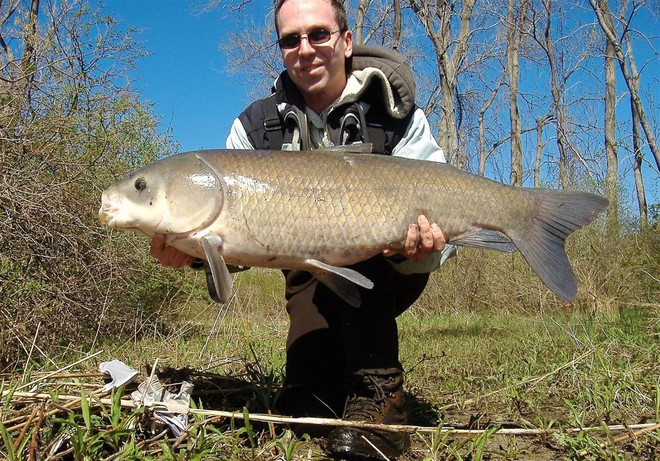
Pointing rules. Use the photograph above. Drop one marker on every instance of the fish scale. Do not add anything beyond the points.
(310, 215)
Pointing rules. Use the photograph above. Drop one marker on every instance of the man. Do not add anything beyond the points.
(341, 360)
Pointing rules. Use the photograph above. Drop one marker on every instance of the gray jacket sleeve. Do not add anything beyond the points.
(418, 142)
(238, 138)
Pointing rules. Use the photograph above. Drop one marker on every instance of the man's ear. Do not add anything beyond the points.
(348, 37)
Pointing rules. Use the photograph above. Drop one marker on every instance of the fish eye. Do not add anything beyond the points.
(140, 184)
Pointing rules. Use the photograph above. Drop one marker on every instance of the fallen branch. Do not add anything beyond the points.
(288, 420)
(626, 437)
(72, 401)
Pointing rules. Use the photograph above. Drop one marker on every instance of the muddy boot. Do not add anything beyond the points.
(375, 396)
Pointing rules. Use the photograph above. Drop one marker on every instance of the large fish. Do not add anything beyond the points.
(320, 211)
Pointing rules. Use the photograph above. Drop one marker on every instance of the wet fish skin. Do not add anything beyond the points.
(320, 211)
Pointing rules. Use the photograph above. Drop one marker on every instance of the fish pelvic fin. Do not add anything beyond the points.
(559, 214)
(341, 280)
(220, 277)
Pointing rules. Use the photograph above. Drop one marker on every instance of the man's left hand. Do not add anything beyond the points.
(422, 238)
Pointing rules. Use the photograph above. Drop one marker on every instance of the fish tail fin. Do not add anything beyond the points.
(559, 214)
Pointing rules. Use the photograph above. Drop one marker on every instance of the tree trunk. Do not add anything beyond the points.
(397, 25)
(483, 152)
(557, 102)
(637, 144)
(611, 175)
(448, 62)
(514, 37)
(358, 30)
(540, 123)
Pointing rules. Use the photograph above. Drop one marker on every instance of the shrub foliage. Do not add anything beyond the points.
(69, 126)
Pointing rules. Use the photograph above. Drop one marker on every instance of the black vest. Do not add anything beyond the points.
(268, 127)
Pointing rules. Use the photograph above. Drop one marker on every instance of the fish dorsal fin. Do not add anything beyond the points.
(357, 148)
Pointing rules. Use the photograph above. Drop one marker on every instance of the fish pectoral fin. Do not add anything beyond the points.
(341, 280)
(485, 238)
(220, 282)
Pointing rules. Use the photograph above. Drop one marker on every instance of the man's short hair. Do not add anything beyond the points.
(337, 5)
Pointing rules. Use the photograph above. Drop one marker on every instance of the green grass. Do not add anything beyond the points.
(479, 366)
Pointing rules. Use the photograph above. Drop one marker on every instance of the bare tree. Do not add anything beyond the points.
(378, 22)
(565, 55)
(251, 48)
(484, 153)
(255, 55)
(450, 51)
(611, 155)
(516, 14)
(636, 142)
(541, 122)
(358, 30)
(558, 108)
(398, 21)
(606, 22)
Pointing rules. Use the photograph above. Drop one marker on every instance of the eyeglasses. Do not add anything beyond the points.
(316, 37)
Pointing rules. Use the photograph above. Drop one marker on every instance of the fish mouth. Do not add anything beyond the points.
(114, 214)
(108, 217)
(109, 212)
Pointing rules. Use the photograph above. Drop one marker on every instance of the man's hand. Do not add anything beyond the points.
(423, 238)
(167, 255)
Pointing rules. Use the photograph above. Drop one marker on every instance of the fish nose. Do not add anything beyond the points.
(103, 211)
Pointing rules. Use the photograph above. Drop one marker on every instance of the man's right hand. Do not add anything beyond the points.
(167, 255)
(422, 238)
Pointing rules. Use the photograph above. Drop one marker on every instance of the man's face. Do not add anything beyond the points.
(317, 70)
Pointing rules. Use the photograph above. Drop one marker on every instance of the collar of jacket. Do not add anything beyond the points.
(371, 67)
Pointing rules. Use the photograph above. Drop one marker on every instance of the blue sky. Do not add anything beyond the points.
(184, 75)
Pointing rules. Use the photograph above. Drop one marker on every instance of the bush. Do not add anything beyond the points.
(67, 130)
(613, 271)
